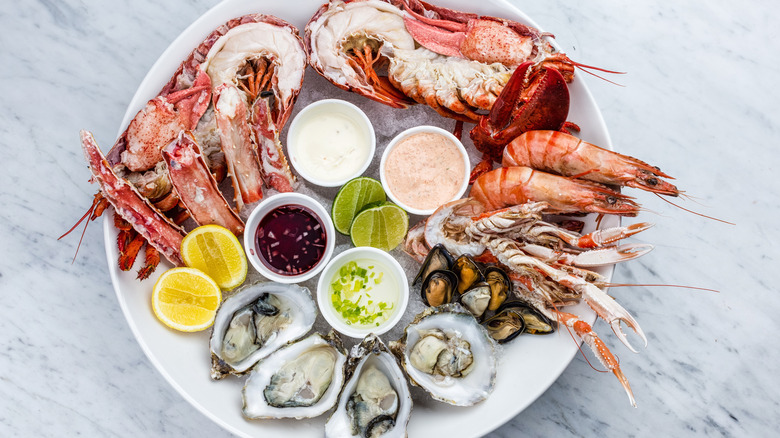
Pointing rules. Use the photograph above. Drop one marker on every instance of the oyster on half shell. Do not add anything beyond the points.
(449, 354)
(299, 380)
(255, 321)
(375, 400)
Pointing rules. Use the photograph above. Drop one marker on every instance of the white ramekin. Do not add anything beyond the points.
(265, 207)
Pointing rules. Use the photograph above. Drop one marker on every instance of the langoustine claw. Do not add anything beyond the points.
(592, 340)
(510, 254)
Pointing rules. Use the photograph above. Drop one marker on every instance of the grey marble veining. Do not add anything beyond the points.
(699, 99)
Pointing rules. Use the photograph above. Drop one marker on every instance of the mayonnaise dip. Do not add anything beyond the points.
(330, 146)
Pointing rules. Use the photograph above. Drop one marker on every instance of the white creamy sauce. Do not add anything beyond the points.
(331, 146)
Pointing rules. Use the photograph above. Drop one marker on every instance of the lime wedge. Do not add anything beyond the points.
(353, 196)
(383, 226)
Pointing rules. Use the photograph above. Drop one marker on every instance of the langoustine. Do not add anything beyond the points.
(253, 68)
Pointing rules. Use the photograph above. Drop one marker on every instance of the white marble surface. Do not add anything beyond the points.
(699, 100)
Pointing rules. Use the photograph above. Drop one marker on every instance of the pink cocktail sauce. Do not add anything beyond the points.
(424, 170)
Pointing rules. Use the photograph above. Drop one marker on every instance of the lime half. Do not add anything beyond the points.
(383, 226)
(353, 196)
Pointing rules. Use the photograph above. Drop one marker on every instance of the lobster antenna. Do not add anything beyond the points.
(86, 216)
(588, 69)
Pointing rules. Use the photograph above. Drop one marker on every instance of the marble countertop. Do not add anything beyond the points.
(699, 100)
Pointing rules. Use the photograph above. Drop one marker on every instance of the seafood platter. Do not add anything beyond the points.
(500, 280)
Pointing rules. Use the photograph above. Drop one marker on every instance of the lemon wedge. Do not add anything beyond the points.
(186, 299)
(214, 250)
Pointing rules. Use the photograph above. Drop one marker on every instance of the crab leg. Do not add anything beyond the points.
(273, 163)
(236, 135)
(196, 187)
(160, 232)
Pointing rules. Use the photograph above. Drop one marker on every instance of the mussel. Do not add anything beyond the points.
(439, 288)
(500, 286)
(467, 271)
(535, 322)
(516, 317)
(505, 325)
(438, 258)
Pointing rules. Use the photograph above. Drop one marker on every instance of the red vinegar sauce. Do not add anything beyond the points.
(290, 239)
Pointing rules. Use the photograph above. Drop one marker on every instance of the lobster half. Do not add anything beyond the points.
(401, 52)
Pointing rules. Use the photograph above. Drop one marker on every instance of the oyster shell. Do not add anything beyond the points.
(449, 354)
(255, 321)
(299, 380)
(375, 400)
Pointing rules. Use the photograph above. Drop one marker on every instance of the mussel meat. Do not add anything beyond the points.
(514, 318)
(535, 322)
(505, 325)
(439, 288)
(467, 271)
(500, 286)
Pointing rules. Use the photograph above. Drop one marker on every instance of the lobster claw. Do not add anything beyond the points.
(534, 98)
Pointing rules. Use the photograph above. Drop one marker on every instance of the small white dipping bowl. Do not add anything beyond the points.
(326, 304)
(265, 207)
(408, 133)
(329, 108)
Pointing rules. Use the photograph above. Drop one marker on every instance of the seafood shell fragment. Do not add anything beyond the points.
(449, 354)
(300, 380)
(375, 400)
(255, 321)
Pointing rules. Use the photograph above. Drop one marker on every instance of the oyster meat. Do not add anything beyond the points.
(254, 322)
(299, 380)
(449, 354)
(375, 400)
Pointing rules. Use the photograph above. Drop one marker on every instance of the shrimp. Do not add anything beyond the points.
(564, 154)
(509, 186)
